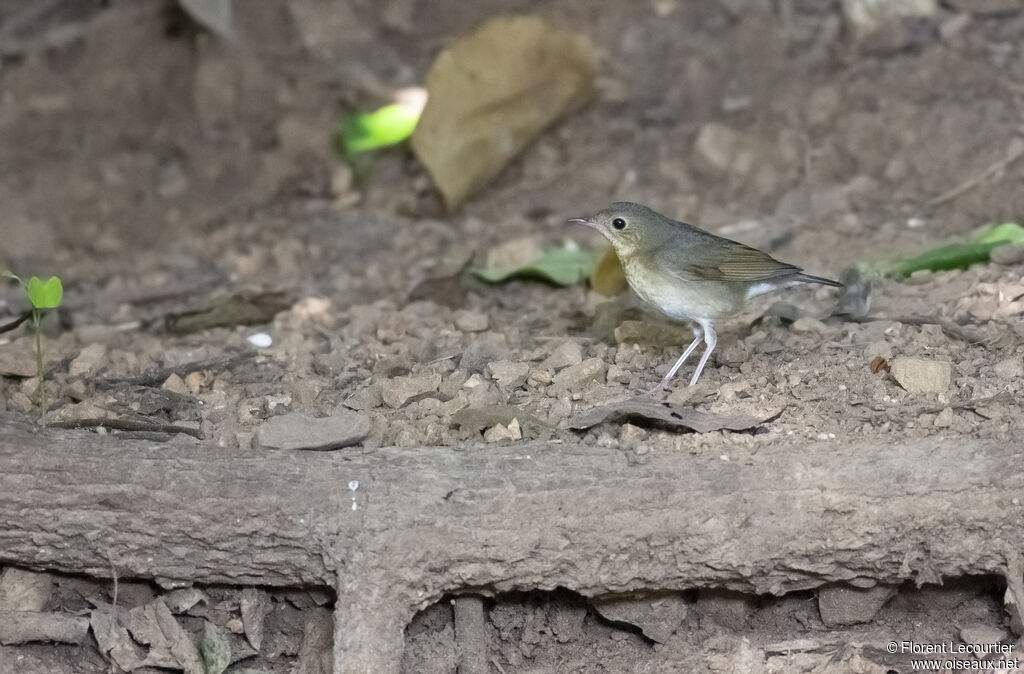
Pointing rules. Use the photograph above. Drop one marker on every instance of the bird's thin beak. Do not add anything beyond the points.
(580, 221)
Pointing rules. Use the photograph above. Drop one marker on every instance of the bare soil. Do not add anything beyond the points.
(158, 170)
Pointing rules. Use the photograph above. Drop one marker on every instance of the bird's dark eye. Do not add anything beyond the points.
(619, 223)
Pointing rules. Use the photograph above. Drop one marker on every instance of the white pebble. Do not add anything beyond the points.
(261, 340)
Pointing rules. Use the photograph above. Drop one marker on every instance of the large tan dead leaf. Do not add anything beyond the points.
(494, 91)
(607, 276)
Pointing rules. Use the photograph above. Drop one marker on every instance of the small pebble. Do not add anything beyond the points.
(261, 340)
(175, 384)
(470, 321)
(917, 375)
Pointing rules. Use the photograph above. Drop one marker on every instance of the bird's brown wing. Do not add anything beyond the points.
(712, 258)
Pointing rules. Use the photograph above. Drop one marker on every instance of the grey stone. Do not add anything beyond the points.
(565, 354)
(653, 333)
(917, 375)
(878, 349)
(1009, 368)
(508, 374)
(1008, 254)
(841, 605)
(400, 391)
(22, 590)
(580, 375)
(502, 433)
(630, 436)
(299, 431)
(452, 384)
(88, 360)
(617, 375)
(480, 392)
(17, 360)
(479, 353)
(944, 418)
(980, 634)
(808, 325)
(365, 399)
(392, 366)
(175, 384)
(657, 616)
(470, 321)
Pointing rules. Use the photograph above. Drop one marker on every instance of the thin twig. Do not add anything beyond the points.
(16, 322)
(973, 404)
(1014, 152)
(154, 377)
(954, 330)
(128, 425)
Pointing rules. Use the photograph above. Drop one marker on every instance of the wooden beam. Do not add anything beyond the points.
(393, 530)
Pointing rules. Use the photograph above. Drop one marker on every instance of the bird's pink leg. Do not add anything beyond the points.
(698, 335)
(710, 338)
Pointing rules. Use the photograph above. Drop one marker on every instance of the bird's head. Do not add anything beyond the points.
(629, 227)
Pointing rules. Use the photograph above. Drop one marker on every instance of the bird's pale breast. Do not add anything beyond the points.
(681, 299)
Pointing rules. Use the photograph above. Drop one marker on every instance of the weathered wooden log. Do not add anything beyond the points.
(393, 530)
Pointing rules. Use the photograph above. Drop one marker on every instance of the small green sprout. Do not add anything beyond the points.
(43, 296)
(358, 136)
(389, 125)
(961, 255)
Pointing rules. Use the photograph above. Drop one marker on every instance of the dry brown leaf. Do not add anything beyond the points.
(646, 409)
(169, 644)
(23, 590)
(244, 308)
(491, 93)
(255, 605)
(878, 364)
(121, 635)
(607, 277)
(657, 615)
(113, 639)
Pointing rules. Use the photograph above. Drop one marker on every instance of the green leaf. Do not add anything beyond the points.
(389, 125)
(45, 294)
(562, 266)
(961, 255)
(215, 648)
(1008, 232)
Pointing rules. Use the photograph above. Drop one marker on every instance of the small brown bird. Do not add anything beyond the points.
(690, 274)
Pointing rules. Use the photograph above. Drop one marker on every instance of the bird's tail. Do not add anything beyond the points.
(807, 278)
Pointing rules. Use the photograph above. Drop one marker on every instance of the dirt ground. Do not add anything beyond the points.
(158, 170)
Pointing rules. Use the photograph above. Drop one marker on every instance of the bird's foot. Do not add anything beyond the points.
(659, 392)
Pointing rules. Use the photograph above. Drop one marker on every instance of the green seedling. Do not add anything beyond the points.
(961, 255)
(563, 266)
(387, 126)
(43, 296)
(358, 136)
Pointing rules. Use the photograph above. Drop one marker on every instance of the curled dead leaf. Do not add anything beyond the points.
(491, 93)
